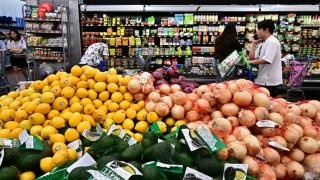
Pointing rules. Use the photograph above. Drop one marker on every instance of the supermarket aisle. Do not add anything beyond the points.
(10, 76)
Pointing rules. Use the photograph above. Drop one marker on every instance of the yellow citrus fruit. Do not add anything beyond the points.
(76, 71)
(104, 95)
(53, 113)
(119, 117)
(110, 115)
(100, 86)
(107, 102)
(56, 90)
(113, 107)
(47, 123)
(90, 72)
(152, 117)
(60, 103)
(43, 108)
(47, 131)
(15, 105)
(100, 76)
(131, 113)
(64, 82)
(76, 107)
(36, 130)
(29, 107)
(85, 101)
(123, 89)
(37, 118)
(141, 126)
(82, 84)
(67, 92)
(113, 71)
(58, 146)
(73, 81)
(72, 154)
(126, 80)
(89, 118)
(46, 89)
(97, 103)
(60, 157)
(83, 125)
(26, 124)
(128, 96)
(124, 104)
(38, 85)
(128, 124)
(107, 123)
(112, 87)
(181, 122)
(20, 115)
(13, 94)
(51, 78)
(112, 79)
(47, 97)
(71, 134)
(4, 133)
(116, 97)
(73, 100)
(82, 93)
(142, 115)
(55, 83)
(104, 108)
(27, 175)
(34, 96)
(91, 83)
(7, 101)
(54, 138)
(89, 109)
(99, 115)
(15, 133)
(170, 121)
(66, 115)
(83, 77)
(92, 94)
(46, 164)
(136, 107)
(141, 103)
(7, 115)
(58, 122)
(162, 126)
(138, 137)
(11, 125)
(75, 119)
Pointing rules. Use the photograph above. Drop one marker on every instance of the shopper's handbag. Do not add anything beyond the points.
(228, 64)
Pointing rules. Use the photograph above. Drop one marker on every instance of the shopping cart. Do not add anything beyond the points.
(298, 72)
(4, 83)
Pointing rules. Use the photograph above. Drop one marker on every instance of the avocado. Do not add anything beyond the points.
(132, 153)
(9, 173)
(80, 173)
(151, 173)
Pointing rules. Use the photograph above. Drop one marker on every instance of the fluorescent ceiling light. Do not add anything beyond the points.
(171, 8)
(232, 8)
(290, 8)
(110, 8)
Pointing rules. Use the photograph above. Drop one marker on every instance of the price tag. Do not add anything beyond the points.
(29, 143)
(276, 145)
(96, 175)
(231, 170)
(144, 78)
(23, 137)
(92, 136)
(266, 123)
(194, 174)
(85, 160)
(76, 145)
(1, 156)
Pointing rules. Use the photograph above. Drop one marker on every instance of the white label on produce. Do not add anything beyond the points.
(193, 143)
(85, 160)
(96, 175)
(235, 171)
(192, 174)
(266, 123)
(23, 136)
(29, 143)
(276, 145)
(1, 156)
(120, 170)
(76, 145)
(206, 135)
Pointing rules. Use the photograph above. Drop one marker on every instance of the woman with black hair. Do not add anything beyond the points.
(17, 46)
(227, 42)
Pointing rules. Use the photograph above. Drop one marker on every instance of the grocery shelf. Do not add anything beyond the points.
(310, 25)
(11, 27)
(47, 58)
(42, 19)
(142, 25)
(44, 32)
(45, 45)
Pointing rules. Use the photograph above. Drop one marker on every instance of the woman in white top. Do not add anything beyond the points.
(17, 46)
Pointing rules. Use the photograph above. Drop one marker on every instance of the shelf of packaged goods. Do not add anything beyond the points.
(160, 36)
(311, 37)
(42, 19)
(141, 25)
(161, 56)
(44, 32)
(45, 45)
(310, 25)
(218, 23)
(199, 44)
(203, 53)
(47, 58)
(203, 80)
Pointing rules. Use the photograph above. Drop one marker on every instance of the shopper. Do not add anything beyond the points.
(2, 46)
(16, 47)
(227, 42)
(95, 53)
(268, 56)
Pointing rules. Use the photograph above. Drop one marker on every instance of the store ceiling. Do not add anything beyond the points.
(197, 2)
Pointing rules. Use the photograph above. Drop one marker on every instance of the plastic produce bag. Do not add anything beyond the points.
(46, 69)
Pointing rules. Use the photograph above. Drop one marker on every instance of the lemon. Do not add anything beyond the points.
(110, 115)
(129, 132)
(43, 108)
(20, 115)
(100, 86)
(72, 154)
(57, 138)
(124, 104)
(128, 124)
(67, 92)
(85, 101)
(82, 84)
(104, 95)
(11, 125)
(4, 133)
(34, 96)
(83, 77)
(58, 122)
(113, 71)
(54, 84)
(109, 101)
(71, 134)
(58, 146)
(138, 137)
(104, 108)
(47, 123)
(89, 118)
(162, 126)
(56, 90)
(112, 87)
(142, 115)
(13, 94)
(27, 175)
(97, 103)
(91, 83)
(37, 118)
(46, 164)
(26, 124)
(60, 157)
(15, 133)
(136, 107)
(83, 125)
(64, 82)
(90, 72)
(76, 107)
(123, 89)
(116, 97)
(66, 115)
(112, 79)
(51, 78)
(107, 123)
(15, 105)
(119, 117)
(60, 103)
(170, 121)
(141, 103)
(29, 107)
(99, 115)
(173, 128)
(131, 113)
(113, 107)
(92, 94)
(75, 119)
(126, 80)
(141, 126)
(46, 89)
(73, 81)
(47, 97)
(36, 130)
(38, 85)
(73, 100)
(7, 101)
(76, 71)
(180, 122)
(7, 115)
(47, 131)
(82, 93)
(53, 113)
(100, 76)
(88, 109)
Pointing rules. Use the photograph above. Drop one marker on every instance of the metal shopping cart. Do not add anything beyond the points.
(4, 83)
(298, 71)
